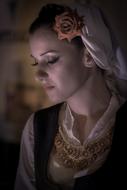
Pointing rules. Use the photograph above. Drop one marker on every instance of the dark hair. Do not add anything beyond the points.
(46, 18)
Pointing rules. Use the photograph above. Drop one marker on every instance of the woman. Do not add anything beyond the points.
(75, 144)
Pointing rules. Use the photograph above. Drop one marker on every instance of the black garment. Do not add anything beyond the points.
(112, 175)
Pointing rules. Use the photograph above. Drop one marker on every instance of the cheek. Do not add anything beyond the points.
(73, 75)
(68, 72)
(67, 79)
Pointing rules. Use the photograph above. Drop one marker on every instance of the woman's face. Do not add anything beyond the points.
(59, 64)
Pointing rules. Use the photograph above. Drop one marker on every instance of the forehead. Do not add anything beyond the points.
(43, 40)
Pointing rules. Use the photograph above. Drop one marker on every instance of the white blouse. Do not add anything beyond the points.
(63, 175)
(57, 172)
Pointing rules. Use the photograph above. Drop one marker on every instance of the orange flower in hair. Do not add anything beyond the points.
(68, 25)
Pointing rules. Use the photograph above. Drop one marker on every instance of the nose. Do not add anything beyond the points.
(41, 75)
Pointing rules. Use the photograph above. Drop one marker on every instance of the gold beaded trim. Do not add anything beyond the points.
(80, 157)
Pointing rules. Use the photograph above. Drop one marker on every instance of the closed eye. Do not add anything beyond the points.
(53, 61)
(49, 61)
(34, 64)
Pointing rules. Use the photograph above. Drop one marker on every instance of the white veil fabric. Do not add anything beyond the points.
(97, 39)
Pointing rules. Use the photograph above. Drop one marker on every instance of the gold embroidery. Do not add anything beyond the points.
(80, 156)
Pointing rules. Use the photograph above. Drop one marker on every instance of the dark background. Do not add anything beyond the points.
(15, 17)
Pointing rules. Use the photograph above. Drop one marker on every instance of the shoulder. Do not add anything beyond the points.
(27, 140)
(28, 132)
(28, 129)
(121, 119)
(122, 112)
(49, 109)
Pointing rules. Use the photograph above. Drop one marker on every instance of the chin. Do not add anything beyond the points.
(56, 100)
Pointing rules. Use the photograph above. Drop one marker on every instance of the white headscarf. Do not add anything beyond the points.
(97, 39)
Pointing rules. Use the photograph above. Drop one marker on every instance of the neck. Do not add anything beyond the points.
(92, 97)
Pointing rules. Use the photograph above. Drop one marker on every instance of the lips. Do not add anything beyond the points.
(48, 86)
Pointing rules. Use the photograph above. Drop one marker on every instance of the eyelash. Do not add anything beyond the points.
(51, 62)
(34, 64)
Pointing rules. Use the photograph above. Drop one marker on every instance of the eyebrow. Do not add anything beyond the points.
(49, 51)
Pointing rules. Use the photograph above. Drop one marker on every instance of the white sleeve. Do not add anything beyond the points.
(25, 178)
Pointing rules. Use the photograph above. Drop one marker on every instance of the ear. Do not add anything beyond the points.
(87, 59)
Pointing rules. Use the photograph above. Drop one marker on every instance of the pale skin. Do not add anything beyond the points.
(64, 76)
